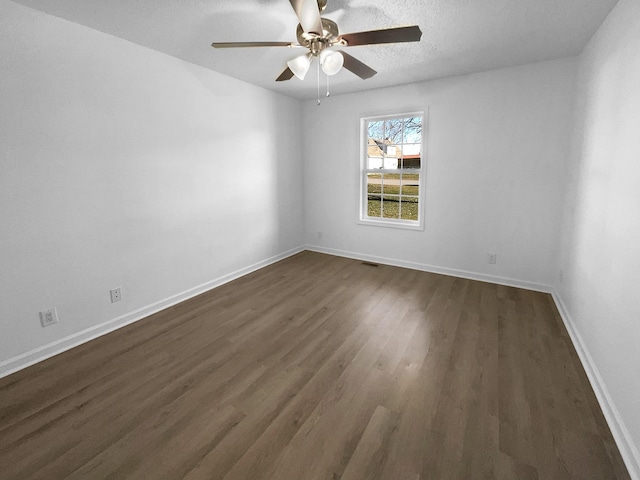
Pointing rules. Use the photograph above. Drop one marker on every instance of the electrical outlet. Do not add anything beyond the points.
(561, 276)
(115, 295)
(48, 317)
(492, 257)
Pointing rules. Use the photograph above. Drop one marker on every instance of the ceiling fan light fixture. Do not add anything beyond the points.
(331, 62)
(300, 65)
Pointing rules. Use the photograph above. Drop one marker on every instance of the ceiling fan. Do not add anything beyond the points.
(319, 34)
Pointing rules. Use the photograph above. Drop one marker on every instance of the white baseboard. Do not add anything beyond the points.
(510, 282)
(628, 449)
(621, 435)
(39, 354)
(623, 439)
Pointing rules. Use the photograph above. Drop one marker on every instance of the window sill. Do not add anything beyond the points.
(399, 224)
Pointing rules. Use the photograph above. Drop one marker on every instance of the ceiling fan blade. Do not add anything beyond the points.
(309, 15)
(252, 44)
(287, 74)
(387, 35)
(354, 65)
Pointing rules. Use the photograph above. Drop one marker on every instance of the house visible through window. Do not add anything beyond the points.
(392, 170)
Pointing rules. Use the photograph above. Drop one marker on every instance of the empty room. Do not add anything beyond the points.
(319, 239)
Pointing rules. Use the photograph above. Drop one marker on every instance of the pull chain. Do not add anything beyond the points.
(328, 86)
(318, 79)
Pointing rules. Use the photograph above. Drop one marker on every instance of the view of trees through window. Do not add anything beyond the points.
(393, 167)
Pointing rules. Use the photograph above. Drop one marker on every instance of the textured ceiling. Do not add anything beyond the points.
(459, 36)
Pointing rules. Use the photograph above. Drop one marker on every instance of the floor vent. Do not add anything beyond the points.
(371, 264)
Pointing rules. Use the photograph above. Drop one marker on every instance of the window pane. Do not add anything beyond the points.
(391, 183)
(409, 209)
(374, 184)
(374, 194)
(393, 130)
(374, 162)
(376, 130)
(412, 130)
(410, 184)
(411, 155)
(373, 207)
(392, 156)
(391, 206)
(393, 150)
(375, 152)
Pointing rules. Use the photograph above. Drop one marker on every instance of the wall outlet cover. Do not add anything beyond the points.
(116, 295)
(48, 317)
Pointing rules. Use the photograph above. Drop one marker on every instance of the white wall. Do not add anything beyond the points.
(496, 149)
(121, 166)
(600, 254)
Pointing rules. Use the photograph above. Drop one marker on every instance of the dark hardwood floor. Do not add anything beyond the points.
(317, 367)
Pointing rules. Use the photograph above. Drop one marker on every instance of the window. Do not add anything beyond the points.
(392, 171)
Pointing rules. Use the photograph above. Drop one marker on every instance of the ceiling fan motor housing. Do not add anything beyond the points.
(317, 43)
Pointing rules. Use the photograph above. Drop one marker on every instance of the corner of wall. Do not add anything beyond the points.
(621, 435)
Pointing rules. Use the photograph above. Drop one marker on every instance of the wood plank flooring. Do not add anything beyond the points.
(317, 367)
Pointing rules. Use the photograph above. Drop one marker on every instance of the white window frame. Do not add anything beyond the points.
(363, 218)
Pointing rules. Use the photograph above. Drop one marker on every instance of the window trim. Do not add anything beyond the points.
(363, 219)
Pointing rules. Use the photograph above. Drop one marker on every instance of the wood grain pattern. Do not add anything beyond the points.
(317, 367)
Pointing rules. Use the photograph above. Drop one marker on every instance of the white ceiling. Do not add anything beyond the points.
(459, 36)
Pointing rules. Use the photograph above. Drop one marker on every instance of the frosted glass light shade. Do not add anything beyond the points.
(331, 62)
(300, 66)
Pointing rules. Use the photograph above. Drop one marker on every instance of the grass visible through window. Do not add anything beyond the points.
(395, 201)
